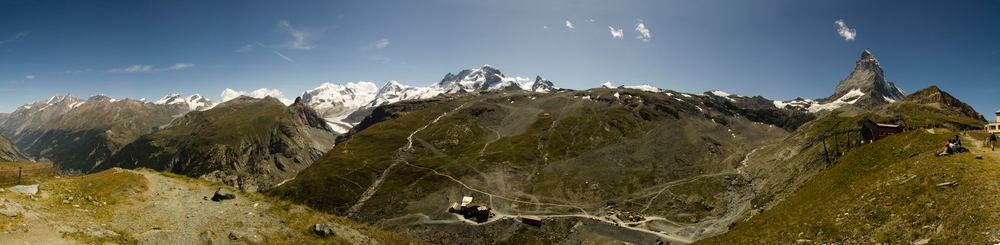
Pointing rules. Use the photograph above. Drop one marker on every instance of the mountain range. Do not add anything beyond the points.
(396, 157)
(866, 88)
(344, 106)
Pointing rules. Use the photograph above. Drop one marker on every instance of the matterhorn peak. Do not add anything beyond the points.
(867, 55)
(866, 87)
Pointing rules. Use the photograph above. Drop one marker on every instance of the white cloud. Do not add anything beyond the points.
(376, 45)
(135, 68)
(615, 34)
(591, 20)
(21, 34)
(570, 25)
(299, 35)
(845, 32)
(177, 66)
(642, 29)
(230, 94)
(545, 27)
(523, 79)
(282, 56)
(32, 77)
(142, 68)
(250, 47)
(74, 72)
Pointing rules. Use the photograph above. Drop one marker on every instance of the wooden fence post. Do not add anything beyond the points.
(848, 140)
(836, 146)
(826, 153)
(19, 175)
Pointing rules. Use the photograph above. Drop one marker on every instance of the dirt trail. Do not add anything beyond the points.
(169, 211)
(402, 154)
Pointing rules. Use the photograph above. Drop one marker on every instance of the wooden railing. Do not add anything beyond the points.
(842, 137)
(30, 173)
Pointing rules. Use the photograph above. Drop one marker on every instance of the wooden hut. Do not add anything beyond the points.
(875, 131)
(531, 220)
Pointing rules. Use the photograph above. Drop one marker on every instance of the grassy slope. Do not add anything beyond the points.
(572, 152)
(885, 192)
(204, 136)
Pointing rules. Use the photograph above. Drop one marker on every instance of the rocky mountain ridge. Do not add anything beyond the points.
(245, 142)
(79, 134)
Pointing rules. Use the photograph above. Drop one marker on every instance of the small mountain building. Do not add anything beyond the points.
(995, 126)
(875, 131)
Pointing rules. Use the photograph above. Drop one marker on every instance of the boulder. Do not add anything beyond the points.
(26, 189)
(324, 230)
(223, 194)
(9, 213)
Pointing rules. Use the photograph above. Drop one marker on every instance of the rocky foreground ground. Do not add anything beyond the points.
(140, 206)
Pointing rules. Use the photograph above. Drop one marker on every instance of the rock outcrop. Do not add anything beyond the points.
(934, 97)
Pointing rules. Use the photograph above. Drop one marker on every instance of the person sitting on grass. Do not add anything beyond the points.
(958, 142)
(949, 148)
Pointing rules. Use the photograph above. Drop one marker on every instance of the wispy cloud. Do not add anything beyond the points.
(545, 27)
(301, 37)
(142, 68)
(32, 77)
(615, 34)
(251, 46)
(282, 56)
(641, 28)
(376, 45)
(74, 72)
(570, 25)
(845, 32)
(590, 20)
(19, 35)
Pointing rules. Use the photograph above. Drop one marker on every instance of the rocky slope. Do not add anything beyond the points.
(665, 155)
(934, 97)
(37, 116)
(10, 153)
(142, 207)
(245, 142)
(78, 135)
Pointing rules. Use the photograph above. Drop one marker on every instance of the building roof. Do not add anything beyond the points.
(887, 125)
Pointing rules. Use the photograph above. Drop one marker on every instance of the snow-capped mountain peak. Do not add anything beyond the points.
(170, 99)
(487, 78)
(195, 102)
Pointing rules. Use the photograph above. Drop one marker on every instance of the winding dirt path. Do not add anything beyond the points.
(402, 154)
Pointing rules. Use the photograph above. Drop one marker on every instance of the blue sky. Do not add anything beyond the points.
(777, 49)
